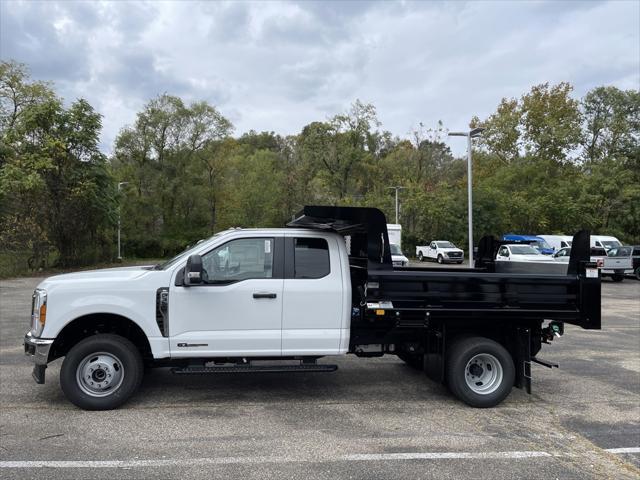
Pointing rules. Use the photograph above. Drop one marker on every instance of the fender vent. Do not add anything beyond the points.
(162, 310)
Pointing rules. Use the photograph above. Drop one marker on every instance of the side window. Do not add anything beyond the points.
(433, 245)
(503, 252)
(238, 260)
(311, 258)
(636, 251)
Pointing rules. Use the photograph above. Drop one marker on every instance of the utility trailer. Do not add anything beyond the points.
(426, 316)
(278, 300)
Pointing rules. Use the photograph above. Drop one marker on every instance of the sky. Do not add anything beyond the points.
(278, 66)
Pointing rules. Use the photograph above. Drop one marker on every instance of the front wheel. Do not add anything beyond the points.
(101, 372)
(440, 259)
(420, 257)
(480, 371)
(638, 273)
(618, 277)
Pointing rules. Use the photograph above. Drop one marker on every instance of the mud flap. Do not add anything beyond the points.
(434, 354)
(38, 373)
(522, 358)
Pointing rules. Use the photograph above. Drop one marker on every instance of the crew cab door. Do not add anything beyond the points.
(313, 310)
(237, 310)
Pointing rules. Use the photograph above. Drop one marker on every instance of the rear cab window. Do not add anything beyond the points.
(311, 258)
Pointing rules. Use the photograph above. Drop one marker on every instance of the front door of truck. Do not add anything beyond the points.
(237, 310)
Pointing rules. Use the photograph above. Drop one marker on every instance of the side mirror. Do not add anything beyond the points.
(193, 271)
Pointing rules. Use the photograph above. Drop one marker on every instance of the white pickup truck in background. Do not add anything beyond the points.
(612, 264)
(441, 251)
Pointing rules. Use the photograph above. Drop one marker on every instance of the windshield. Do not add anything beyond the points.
(446, 245)
(523, 250)
(541, 245)
(610, 243)
(185, 254)
(395, 249)
(620, 252)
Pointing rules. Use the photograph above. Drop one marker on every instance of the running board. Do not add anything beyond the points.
(544, 362)
(202, 370)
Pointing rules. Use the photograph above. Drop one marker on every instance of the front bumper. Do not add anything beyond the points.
(38, 348)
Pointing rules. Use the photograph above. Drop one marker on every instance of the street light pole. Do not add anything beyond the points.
(120, 184)
(476, 132)
(397, 204)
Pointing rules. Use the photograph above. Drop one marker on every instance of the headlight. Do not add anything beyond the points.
(38, 311)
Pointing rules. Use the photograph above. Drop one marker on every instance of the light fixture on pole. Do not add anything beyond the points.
(120, 184)
(476, 132)
(397, 189)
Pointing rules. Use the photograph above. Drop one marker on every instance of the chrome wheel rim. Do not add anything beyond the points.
(483, 373)
(100, 374)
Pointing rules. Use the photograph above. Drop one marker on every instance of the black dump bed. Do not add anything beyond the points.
(483, 292)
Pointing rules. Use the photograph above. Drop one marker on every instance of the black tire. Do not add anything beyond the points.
(130, 366)
(638, 273)
(618, 277)
(420, 257)
(459, 263)
(440, 259)
(461, 353)
(412, 359)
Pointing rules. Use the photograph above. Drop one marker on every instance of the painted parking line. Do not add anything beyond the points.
(359, 457)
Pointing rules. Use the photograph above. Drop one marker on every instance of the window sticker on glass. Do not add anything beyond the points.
(267, 246)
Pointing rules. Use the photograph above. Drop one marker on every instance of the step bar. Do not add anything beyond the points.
(248, 368)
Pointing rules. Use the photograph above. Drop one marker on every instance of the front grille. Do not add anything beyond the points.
(455, 254)
(162, 310)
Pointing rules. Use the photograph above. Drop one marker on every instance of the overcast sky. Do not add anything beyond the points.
(279, 66)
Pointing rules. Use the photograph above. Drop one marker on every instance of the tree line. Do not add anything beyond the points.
(546, 163)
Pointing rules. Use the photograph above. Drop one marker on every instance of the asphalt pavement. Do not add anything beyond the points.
(373, 418)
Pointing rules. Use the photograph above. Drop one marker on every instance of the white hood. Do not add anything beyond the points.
(119, 274)
(532, 258)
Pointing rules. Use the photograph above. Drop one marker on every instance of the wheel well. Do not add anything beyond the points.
(88, 325)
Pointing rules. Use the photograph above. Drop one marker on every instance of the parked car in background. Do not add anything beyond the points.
(605, 242)
(442, 251)
(521, 253)
(535, 242)
(557, 241)
(619, 260)
(397, 257)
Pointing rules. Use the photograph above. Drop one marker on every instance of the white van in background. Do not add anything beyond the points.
(557, 241)
(605, 242)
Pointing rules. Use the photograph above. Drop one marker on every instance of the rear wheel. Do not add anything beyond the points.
(440, 259)
(101, 372)
(618, 277)
(414, 360)
(480, 371)
(420, 257)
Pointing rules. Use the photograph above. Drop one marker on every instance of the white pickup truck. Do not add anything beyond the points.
(277, 300)
(612, 264)
(441, 251)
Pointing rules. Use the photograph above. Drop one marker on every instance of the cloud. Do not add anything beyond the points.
(280, 65)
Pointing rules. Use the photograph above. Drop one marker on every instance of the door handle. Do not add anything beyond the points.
(264, 295)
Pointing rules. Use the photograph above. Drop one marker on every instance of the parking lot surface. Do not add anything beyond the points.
(373, 418)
